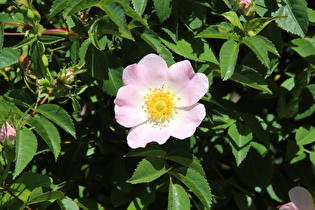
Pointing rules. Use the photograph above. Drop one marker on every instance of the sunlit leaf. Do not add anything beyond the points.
(8, 57)
(305, 48)
(177, 198)
(233, 18)
(228, 58)
(163, 8)
(305, 135)
(139, 6)
(259, 47)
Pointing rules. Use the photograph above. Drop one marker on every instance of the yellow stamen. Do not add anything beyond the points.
(160, 104)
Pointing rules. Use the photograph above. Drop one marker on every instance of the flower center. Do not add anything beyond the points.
(160, 104)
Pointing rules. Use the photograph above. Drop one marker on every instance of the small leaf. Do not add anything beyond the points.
(196, 183)
(50, 39)
(48, 132)
(258, 46)
(139, 6)
(133, 14)
(163, 9)
(67, 203)
(305, 48)
(50, 196)
(149, 169)
(9, 109)
(8, 57)
(26, 145)
(241, 136)
(233, 18)
(254, 26)
(296, 21)
(222, 31)
(228, 57)
(74, 6)
(59, 116)
(305, 135)
(177, 198)
(57, 6)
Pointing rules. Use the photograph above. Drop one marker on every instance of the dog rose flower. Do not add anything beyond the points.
(300, 198)
(7, 132)
(158, 102)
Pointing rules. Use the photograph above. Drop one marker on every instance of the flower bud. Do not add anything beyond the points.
(248, 6)
(7, 132)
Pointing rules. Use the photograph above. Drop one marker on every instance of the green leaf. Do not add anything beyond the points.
(269, 45)
(250, 78)
(26, 145)
(254, 26)
(116, 13)
(1, 36)
(296, 21)
(177, 198)
(305, 135)
(305, 48)
(50, 196)
(133, 14)
(46, 39)
(233, 18)
(9, 109)
(150, 150)
(8, 56)
(74, 6)
(163, 9)
(48, 132)
(67, 203)
(26, 41)
(228, 57)
(191, 48)
(57, 6)
(222, 31)
(258, 46)
(149, 169)
(241, 136)
(186, 159)
(139, 6)
(59, 116)
(196, 183)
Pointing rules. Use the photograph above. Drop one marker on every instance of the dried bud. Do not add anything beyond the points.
(7, 132)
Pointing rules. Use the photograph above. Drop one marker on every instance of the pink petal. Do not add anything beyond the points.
(288, 206)
(187, 84)
(150, 72)
(7, 131)
(141, 135)
(302, 199)
(187, 120)
(128, 109)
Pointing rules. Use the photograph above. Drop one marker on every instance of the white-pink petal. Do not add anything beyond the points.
(288, 206)
(145, 133)
(302, 199)
(150, 72)
(7, 131)
(187, 120)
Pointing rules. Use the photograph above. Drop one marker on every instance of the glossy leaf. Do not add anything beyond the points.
(305, 135)
(228, 57)
(68, 203)
(163, 9)
(258, 46)
(50, 196)
(256, 25)
(59, 116)
(8, 57)
(8, 109)
(177, 198)
(57, 7)
(26, 145)
(196, 183)
(305, 48)
(221, 31)
(296, 20)
(134, 14)
(233, 18)
(48, 132)
(149, 169)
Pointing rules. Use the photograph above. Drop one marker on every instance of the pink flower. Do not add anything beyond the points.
(248, 6)
(300, 198)
(158, 102)
(7, 132)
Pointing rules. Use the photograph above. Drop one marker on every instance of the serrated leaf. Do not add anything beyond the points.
(163, 9)
(196, 183)
(258, 46)
(67, 203)
(59, 116)
(250, 78)
(254, 26)
(241, 136)
(139, 6)
(27, 41)
(9, 56)
(222, 31)
(50, 196)
(9, 109)
(74, 6)
(186, 159)
(305, 48)
(177, 198)
(57, 7)
(228, 57)
(116, 13)
(48, 132)
(296, 21)
(270, 46)
(149, 169)
(194, 49)
(133, 14)
(233, 18)
(26, 145)
(305, 135)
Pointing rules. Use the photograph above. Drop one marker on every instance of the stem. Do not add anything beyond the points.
(12, 24)
(14, 196)
(13, 34)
